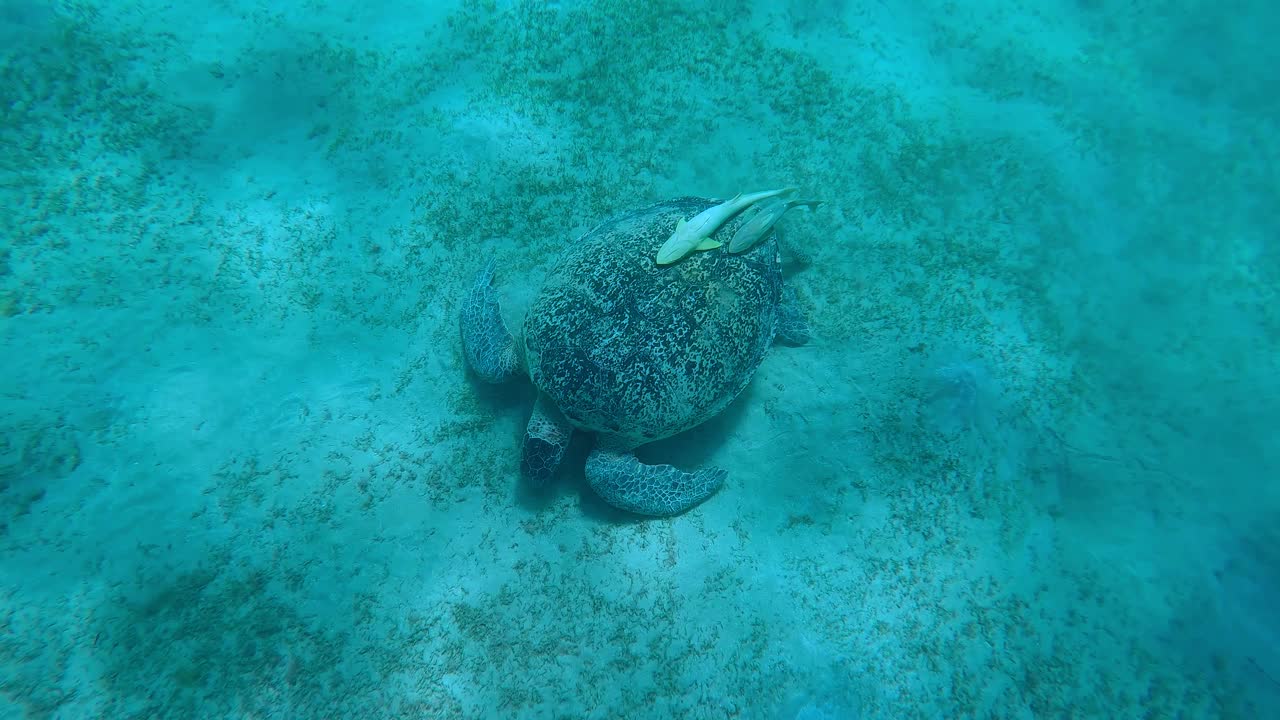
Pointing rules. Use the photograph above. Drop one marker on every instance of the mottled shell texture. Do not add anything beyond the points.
(641, 351)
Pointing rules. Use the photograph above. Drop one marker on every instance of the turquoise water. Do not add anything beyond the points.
(1026, 468)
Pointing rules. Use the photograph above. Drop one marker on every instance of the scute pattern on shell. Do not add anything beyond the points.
(642, 352)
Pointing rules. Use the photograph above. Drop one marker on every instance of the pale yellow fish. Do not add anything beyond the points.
(754, 229)
(696, 233)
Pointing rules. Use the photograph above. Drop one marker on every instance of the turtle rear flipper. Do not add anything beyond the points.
(659, 490)
(490, 349)
(545, 440)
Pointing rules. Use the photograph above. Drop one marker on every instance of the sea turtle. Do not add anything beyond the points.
(634, 351)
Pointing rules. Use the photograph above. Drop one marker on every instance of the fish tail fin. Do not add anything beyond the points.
(811, 204)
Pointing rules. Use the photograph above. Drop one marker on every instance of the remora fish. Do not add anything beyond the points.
(691, 234)
(765, 217)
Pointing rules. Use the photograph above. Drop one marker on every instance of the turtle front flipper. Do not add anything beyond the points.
(659, 490)
(490, 349)
(792, 327)
(545, 440)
